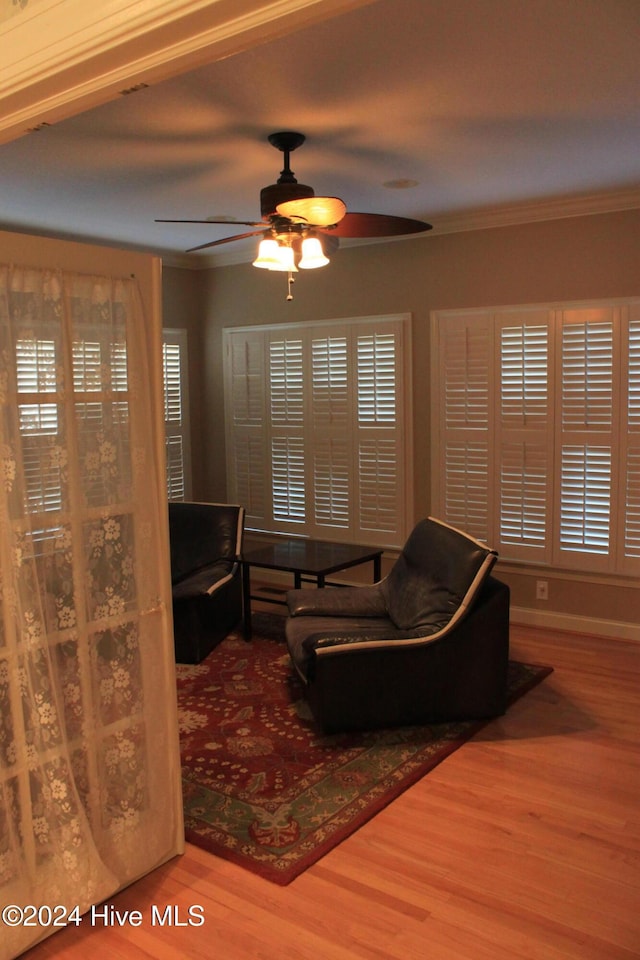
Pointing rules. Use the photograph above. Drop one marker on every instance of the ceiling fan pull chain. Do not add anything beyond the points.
(290, 283)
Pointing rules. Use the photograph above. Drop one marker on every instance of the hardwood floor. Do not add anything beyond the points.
(525, 843)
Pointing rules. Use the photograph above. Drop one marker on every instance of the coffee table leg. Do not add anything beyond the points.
(246, 600)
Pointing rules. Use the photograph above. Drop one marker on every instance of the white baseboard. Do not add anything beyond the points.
(616, 629)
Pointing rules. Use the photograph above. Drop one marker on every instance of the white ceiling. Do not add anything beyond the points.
(489, 105)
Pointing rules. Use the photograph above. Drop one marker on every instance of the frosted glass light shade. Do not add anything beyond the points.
(267, 257)
(312, 254)
(285, 260)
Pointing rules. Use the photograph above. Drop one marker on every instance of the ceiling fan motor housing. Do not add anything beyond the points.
(277, 193)
(287, 187)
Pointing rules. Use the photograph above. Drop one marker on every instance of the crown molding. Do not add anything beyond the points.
(580, 205)
(51, 71)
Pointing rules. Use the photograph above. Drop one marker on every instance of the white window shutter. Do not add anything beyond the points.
(87, 363)
(631, 536)
(378, 486)
(585, 438)
(36, 366)
(172, 384)
(524, 444)
(176, 408)
(246, 422)
(466, 347)
(287, 422)
(524, 370)
(587, 370)
(40, 422)
(562, 446)
(246, 368)
(380, 478)
(173, 421)
(286, 383)
(332, 502)
(585, 499)
(463, 428)
(377, 379)
(331, 461)
(331, 417)
(464, 503)
(629, 512)
(524, 498)
(43, 470)
(288, 479)
(330, 382)
(175, 468)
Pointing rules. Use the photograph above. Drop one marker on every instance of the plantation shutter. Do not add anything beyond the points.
(537, 439)
(462, 494)
(629, 515)
(100, 383)
(288, 487)
(174, 367)
(379, 468)
(246, 421)
(523, 439)
(42, 420)
(585, 437)
(36, 368)
(315, 422)
(331, 466)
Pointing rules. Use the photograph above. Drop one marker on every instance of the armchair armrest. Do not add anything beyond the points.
(367, 601)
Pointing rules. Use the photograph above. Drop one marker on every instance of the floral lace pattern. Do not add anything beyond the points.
(83, 595)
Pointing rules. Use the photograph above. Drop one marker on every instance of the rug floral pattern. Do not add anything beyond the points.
(262, 785)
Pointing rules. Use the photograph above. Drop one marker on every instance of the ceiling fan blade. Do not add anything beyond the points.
(316, 211)
(216, 243)
(377, 225)
(229, 223)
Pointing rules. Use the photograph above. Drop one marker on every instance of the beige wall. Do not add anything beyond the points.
(570, 259)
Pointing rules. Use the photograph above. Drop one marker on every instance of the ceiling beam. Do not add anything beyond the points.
(61, 58)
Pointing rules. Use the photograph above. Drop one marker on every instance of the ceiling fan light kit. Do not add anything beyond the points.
(298, 221)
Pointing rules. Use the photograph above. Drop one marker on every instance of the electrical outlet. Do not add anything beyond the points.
(542, 589)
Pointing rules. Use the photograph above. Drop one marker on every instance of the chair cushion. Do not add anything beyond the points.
(437, 576)
(303, 633)
(364, 601)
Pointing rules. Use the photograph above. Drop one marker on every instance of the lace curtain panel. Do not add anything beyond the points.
(89, 767)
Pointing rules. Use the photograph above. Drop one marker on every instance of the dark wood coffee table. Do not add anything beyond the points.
(307, 560)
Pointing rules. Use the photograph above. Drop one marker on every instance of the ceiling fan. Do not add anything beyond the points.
(297, 223)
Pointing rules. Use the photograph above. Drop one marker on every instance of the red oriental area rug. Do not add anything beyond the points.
(262, 786)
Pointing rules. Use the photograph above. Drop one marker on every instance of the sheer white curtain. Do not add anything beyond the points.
(89, 765)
